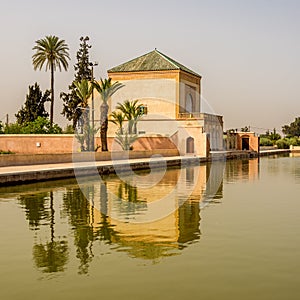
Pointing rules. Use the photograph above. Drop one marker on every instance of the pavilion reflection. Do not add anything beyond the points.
(154, 221)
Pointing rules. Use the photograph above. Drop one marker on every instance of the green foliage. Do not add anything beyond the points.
(126, 139)
(273, 136)
(1, 128)
(6, 152)
(84, 90)
(263, 141)
(282, 144)
(106, 89)
(269, 138)
(68, 130)
(84, 138)
(132, 113)
(294, 141)
(54, 53)
(39, 126)
(82, 71)
(82, 67)
(34, 105)
(13, 128)
(293, 129)
(118, 118)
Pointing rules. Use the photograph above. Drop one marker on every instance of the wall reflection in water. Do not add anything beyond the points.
(138, 218)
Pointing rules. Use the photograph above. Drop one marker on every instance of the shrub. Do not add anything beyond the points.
(265, 142)
(69, 130)
(283, 144)
(6, 152)
(294, 141)
(38, 126)
(13, 128)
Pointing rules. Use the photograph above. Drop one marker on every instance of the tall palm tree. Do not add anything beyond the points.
(132, 111)
(106, 89)
(52, 52)
(84, 91)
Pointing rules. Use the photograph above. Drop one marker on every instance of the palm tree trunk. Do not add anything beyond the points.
(86, 131)
(104, 126)
(135, 127)
(52, 95)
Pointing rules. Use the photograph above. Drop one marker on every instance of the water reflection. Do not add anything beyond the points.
(242, 169)
(52, 255)
(122, 215)
(35, 207)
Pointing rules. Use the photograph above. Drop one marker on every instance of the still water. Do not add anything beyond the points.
(226, 230)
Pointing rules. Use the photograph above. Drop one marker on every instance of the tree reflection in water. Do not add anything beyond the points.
(36, 210)
(77, 208)
(51, 256)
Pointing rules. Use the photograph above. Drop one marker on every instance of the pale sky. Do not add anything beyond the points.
(248, 52)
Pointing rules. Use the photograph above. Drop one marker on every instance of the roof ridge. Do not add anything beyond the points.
(167, 58)
(151, 61)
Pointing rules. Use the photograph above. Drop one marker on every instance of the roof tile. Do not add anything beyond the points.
(152, 61)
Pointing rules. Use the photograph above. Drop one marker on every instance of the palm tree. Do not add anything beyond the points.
(132, 112)
(84, 91)
(106, 89)
(118, 119)
(54, 53)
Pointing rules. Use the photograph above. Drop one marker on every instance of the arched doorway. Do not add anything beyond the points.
(245, 143)
(190, 147)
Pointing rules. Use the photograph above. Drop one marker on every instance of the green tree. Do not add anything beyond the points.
(125, 140)
(132, 111)
(82, 71)
(41, 126)
(1, 128)
(13, 128)
(118, 119)
(293, 129)
(54, 53)
(269, 138)
(106, 89)
(83, 91)
(34, 105)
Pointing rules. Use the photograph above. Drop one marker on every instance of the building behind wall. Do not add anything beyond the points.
(242, 141)
(172, 95)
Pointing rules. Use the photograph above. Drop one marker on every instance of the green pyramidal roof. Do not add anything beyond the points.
(152, 61)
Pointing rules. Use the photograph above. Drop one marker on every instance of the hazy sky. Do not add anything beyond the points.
(248, 52)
